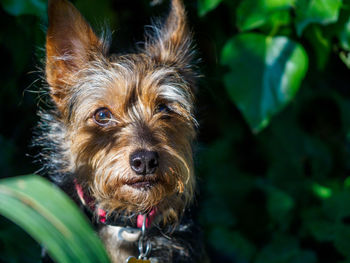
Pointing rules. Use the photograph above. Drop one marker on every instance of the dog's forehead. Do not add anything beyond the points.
(121, 83)
(142, 81)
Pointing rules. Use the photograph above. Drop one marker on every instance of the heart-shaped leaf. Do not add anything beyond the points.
(265, 74)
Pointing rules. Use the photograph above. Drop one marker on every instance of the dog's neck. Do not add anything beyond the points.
(120, 220)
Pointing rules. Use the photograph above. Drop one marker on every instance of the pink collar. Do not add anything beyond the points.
(102, 214)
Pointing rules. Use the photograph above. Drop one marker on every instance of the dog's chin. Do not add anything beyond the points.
(142, 196)
(142, 184)
(138, 194)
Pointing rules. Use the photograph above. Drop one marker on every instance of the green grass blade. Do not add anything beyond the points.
(51, 218)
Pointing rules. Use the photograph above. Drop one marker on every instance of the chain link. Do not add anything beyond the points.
(144, 251)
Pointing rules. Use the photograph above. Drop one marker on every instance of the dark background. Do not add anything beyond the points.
(280, 195)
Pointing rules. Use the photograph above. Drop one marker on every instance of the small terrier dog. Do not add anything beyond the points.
(118, 137)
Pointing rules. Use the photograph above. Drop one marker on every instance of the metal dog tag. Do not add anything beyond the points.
(135, 260)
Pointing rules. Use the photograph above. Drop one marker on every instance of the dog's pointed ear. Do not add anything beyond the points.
(172, 42)
(70, 44)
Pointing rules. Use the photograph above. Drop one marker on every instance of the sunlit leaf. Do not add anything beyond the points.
(321, 191)
(316, 11)
(205, 6)
(265, 74)
(252, 14)
(51, 218)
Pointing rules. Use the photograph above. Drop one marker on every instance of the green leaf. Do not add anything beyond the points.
(322, 230)
(27, 7)
(284, 249)
(265, 74)
(252, 14)
(279, 205)
(232, 243)
(345, 57)
(330, 224)
(51, 218)
(321, 44)
(347, 182)
(204, 6)
(341, 241)
(316, 11)
(338, 206)
(344, 36)
(337, 209)
(314, 221)
(321, 191)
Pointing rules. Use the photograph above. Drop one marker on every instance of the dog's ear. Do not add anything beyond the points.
(172, 42)
(70, 44)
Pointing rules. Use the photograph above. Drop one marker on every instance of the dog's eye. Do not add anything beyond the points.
(103, 116)
(163, 108)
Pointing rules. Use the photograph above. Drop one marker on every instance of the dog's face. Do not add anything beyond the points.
(128, 119)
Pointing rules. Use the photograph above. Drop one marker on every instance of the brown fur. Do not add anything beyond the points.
(83, 78)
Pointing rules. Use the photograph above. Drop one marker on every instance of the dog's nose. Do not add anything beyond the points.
(144, 162)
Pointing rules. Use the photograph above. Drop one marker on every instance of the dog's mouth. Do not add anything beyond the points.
(142, 183)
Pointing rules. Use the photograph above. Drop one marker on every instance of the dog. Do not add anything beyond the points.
(119, 133)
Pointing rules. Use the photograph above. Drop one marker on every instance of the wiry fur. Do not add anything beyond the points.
(82, 78)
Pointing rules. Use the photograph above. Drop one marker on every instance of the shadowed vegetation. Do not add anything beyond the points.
(273, 152)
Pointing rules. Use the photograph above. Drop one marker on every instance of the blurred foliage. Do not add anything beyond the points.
(279, 66)
(273, 152)
(30, 7)
(67, 237)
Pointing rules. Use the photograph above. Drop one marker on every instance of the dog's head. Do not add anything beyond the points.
(128, 118)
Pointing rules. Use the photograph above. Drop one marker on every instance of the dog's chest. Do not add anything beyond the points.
(121, 243)
(118, 248)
